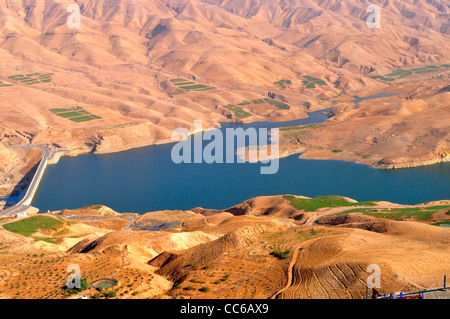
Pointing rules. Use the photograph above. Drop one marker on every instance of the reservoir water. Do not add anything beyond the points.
(145, 179)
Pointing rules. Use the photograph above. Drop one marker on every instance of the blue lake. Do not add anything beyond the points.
(146, 179)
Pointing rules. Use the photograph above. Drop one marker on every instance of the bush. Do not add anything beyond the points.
(204, 289)
(281, 254)
(110, 294)
(83, 286)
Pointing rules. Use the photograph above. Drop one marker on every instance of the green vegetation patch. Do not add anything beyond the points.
(30, 225)
(260, 101)
(401, 73)
(427, 69)
(278, 104)
(281, 254)
(418, 213)
(310, 82)
(283, 83)
(32, 78)
(238, 111)
(187, 85)
(381, 78)
(76, 114)
(4, 84)
(297, 131)
(313, 204)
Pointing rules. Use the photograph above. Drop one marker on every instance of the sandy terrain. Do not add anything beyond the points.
(228, 254)
(118, 66)
(114, 85)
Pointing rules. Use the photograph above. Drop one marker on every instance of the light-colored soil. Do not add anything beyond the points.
(230, 253)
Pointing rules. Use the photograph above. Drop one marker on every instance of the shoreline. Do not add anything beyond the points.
(26, 200)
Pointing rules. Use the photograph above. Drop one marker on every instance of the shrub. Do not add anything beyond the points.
(281, 254)
(204, 289)
(110, 294)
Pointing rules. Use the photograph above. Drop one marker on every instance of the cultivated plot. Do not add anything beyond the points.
(186, 85)
(310, 82)
(283, 83)
(75, 114)
(402, 73)
(32, 78)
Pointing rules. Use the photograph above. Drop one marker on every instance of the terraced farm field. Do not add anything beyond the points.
(418, 213)
(28, 226)
(186, 85)
(32, 78)
(311, 82)
(76, 114)
(296, 132)
(313, 204)
(283, 83)
(238, 111)
(402, 73)
(4, 84)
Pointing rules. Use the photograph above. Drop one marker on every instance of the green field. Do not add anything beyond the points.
(401, 73)
(187, 85)
(76, 114)
(313, 204)
(32, 78)
(3, 84)
(419, 213)
(241, 113)
(260, 101)
(381, 78)
(278, 104)
(30, 225)
(283, 83)
(238, 111)
(297, 131)
(310, 82)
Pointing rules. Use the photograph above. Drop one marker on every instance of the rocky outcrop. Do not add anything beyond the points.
(7, 159)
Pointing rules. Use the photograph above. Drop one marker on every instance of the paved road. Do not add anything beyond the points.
(31, 189)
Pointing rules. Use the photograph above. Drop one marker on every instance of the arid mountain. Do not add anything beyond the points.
(8, 157)
(118, 65)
